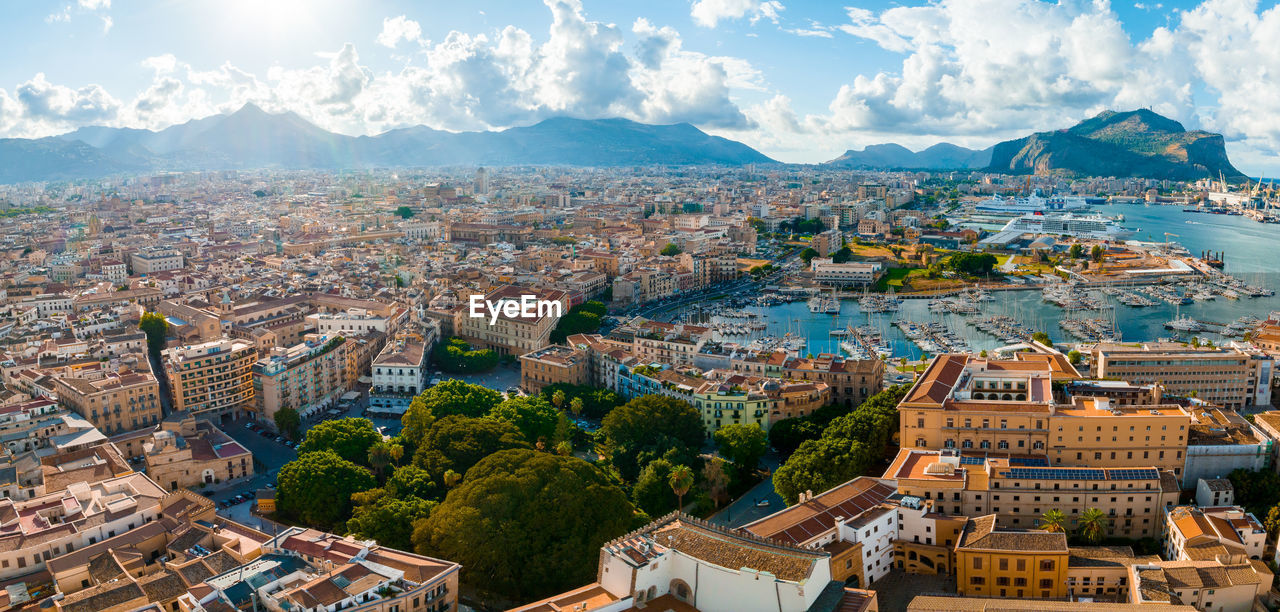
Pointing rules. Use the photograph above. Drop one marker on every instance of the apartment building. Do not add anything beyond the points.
(113, 400)
(189, 452)
(656, 342)
(305, 376)
(554, 365)
(156, 259)
(79, 515)
(399, 374)
(1019, 489)
(853, 522)
(212, 379)
(1195, 534)
(852, 381)
(1230, 585)
(1232, 377)
(527, 331)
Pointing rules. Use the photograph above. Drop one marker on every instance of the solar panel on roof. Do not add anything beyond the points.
(1029, 461)
(972, 460)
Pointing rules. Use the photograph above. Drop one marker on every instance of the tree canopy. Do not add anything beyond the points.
(287, 422)
(404, 212)
(381, 516)
(533, 416)
(522, 509)
(457, 356)
(581, 319)
(596, 401)
(973, 264)
(350, 438)
(156, 327)
(451, 397)
(316, 488)
(649, 426)
(849, 446)
(670, 250)
(652, 492)
(459, 442)
(743, 445)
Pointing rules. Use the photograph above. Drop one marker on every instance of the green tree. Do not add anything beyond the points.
(1272, 523)
(1074, 357)
(558, 398)
(973, 264)
(451, 397)
(808, 254)
(315, 489)
(404, 212)
(457, 356)
(1076, 251)
(717, 480)
(388, 519)
(350, 438)
(1093, 525)
(379, 458)
(533, 416)
(1053, 520)
(652, 492)
(1042, 338)
(680, 480)
(521, 509)
(819, 465)
(412, 481)
(743, 445)
(576, 406)
(1255, 491)
(156, 327)
(787, 435)
(648, 427)
(671, 250)
(596, 402)
(458, 442)
(288, 422)
(1097, 253)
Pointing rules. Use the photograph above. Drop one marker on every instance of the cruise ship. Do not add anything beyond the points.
(1096, 227)
(1030, 204)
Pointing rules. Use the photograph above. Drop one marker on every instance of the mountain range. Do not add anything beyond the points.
(1135, 143)
(254, 138)
(1139, 143)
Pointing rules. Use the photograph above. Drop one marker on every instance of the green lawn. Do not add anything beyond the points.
(893, 277)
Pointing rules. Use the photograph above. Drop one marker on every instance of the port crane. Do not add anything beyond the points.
(1166, 237)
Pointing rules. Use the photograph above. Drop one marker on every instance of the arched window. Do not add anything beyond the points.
(1007, 397)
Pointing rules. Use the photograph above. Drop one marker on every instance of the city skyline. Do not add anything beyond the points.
(914, 74)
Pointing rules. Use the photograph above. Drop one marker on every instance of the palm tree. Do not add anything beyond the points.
(558, 398)
(681, 479)
(1093, 525)
(379, 457)
(1053, 520)
(575, 406)
(397, 452)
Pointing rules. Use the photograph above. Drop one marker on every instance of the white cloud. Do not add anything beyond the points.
(707, 13)
(93, 5)
(107, 22)
(396, 29)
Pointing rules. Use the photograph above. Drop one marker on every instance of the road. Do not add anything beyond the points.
(745, 509)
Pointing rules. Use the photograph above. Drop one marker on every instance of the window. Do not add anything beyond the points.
(1046, 565)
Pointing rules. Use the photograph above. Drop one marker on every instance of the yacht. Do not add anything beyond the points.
(1184, 323)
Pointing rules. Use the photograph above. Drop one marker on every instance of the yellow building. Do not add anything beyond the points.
(967, 402)
(1019, 489)
(530, 330)
(1231, 378)
(212, 379)
(996, 562)
(553, 365)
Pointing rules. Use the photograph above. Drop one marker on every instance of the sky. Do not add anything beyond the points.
(800, 80)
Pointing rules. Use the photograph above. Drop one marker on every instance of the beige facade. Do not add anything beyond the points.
(553, 365)
(1225, 377)
(305, 376)
(187, 452)
(513, 335)
(113, 401)
(212, 379)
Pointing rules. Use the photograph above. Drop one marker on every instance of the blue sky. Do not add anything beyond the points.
(800, 80)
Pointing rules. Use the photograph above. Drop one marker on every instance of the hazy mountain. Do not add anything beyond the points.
(254, 138)
(942, 156)
(1136, 143)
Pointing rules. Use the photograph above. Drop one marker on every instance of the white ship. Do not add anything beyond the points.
(1096, 227)
(1030, 204)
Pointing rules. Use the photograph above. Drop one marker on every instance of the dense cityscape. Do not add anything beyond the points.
(578, 306)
